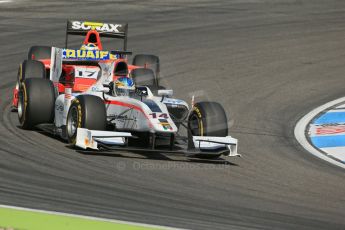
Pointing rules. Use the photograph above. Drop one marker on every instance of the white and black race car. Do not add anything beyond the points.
(129, 111)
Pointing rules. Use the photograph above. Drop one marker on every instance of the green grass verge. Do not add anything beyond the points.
(31, 220)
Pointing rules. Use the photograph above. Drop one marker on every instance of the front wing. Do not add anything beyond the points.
(107, 141)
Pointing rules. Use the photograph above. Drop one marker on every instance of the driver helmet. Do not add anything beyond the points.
(124, 86)
(89, 46)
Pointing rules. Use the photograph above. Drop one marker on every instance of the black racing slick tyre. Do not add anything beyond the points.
(144, 77)
(208, 119)
(86, 111)
(36, 102)
(148, 61)
(39, 52)
(31, 69)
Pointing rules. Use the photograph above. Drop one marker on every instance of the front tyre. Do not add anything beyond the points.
(86, 111)
(207, 119)
(39, 52)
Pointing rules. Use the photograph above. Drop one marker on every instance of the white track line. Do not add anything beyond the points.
(300, 132)
(5, 1)
(88, 217)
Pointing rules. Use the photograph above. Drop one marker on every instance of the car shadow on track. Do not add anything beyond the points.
(140, 155)
(179, 158)
(158, 156)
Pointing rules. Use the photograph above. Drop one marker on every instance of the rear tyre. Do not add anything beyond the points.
(144, 77)
(86, 111)
(36, 102)
(207, 119)
(31, 69)
(148, 61)
(39, 52)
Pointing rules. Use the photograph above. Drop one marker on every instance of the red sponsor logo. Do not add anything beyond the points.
(326, 130)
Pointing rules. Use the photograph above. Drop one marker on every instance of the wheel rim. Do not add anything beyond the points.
(20, 108)
(72, 122)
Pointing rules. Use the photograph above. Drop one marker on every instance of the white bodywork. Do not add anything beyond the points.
(213, 143)
(90, 138)
(148, 113)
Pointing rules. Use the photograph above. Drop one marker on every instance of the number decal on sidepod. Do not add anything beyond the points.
(157, 115)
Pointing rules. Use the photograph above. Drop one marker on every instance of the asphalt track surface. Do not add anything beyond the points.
(268, 62)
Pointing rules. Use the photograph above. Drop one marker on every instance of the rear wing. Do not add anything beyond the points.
(79, 57)
(104, 29)
(75, 57)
